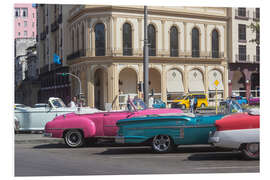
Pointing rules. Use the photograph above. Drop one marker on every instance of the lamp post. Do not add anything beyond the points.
(80, 86)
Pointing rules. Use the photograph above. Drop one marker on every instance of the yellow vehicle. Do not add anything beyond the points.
(183, 103)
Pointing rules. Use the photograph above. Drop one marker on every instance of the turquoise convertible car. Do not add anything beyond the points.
(164, 132)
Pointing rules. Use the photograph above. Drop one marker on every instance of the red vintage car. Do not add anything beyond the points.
(78, 126)
(239, 131)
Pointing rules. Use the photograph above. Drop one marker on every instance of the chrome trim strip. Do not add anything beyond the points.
(174, 127)
(55, 129)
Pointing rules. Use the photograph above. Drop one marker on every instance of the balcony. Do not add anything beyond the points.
(43, 36)
(242, 58)
(241, 14)
(77, 54)
(60, 19)
(54, 26)
(256, 58)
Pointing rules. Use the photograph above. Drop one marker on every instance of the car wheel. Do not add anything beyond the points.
(202, 105)
(162, 144)
(74, 138)
(183, 106)
(251, 151)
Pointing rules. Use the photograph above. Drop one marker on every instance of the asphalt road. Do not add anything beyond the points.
(55, 159)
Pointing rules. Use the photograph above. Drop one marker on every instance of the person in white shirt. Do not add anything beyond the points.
(73, 102)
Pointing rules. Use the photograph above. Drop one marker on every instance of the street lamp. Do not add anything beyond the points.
(80, 86)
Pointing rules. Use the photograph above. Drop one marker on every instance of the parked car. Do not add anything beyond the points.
(159, 104)
(32, 119)
(75, 128)
(239, 131)
(254, 101)
(41, 105)
(183, 102)
(240, 100)
(166, 131)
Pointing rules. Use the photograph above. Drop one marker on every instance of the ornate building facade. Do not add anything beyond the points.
(104, 47)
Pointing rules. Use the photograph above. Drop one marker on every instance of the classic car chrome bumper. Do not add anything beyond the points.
(213, 139)
(120, 139)
(47, 134)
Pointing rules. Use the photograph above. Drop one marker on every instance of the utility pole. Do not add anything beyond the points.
(146, 61)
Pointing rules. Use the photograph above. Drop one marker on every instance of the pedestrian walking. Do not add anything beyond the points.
(195, 104)
(191, 104)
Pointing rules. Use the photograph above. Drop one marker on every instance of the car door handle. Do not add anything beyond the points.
(106, 114)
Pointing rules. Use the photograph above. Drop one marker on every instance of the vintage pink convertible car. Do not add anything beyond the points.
(239, 131)
(76, 127)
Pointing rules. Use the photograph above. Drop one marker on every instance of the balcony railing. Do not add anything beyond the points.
(242, 58)
(77, 54)
(240, 14)
(256, 58)
(135, 52)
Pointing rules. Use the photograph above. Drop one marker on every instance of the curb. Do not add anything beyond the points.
(37, 141)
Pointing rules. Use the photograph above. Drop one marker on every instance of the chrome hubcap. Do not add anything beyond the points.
(161, 142)
(253, 148)
(74, 138)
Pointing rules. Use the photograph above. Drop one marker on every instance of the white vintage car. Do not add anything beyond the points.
(35, 119)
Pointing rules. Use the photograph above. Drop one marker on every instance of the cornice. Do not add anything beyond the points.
(138, 10)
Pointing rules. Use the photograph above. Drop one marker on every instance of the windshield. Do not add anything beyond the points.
(136, 104)
(58, 103)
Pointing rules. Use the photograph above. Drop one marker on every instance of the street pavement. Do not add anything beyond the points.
(36, 155)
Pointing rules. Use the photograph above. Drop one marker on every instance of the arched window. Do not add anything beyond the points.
(127, 40)
(174, 42)
(100, 39)
(152, 39)
(215, 44)
(195, 43)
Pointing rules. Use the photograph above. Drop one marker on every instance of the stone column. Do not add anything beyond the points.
(225, 82)
(90, 86)
(114, 34)
(185, 38)
(140, 36)
(164, 84)
(185, 79)
(163, 35)
(206, 80)
(225, 41)
(230, 82)
(205, 40)
(92, 30)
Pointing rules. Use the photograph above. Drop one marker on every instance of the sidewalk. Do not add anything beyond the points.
(35, 138)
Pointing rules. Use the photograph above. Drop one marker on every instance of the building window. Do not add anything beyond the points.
(25, 23)
(257, 53)
(215, 44)
(241, 32)
(127, 40)
(173, 42)
(33, 15)
(72, 39)
(78, 40)
(257, 11)
(17, 12)
(19, 24)
(242, 12)
(152, 39)
(19, 34)
(24, 12)
(242, 53)
(195, 43)
(25, 33)
(33, 24)
(100, 39)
